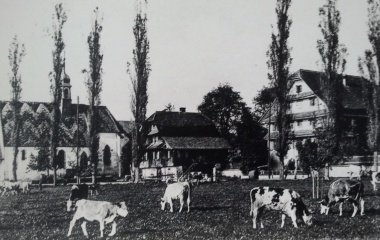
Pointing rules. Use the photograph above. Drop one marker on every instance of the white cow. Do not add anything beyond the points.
(10, 187)
(179, 190)
(25, 187)
(287, 201)
(103, 212)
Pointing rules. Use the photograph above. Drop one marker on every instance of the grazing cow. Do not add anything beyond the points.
(356, 171)
(13, 187)
(285, 200)
(25, 187)
(103, 212)
(375, 179)
(180, 190)
(341, 190)
(78, 192)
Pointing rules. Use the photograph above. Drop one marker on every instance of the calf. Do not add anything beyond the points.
(25, 187)
(287, 201)
(341, 190)
(78, 192)
(103, 212)
(180, 190)
(375, 179)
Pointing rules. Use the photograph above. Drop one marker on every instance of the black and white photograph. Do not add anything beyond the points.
(189, 119)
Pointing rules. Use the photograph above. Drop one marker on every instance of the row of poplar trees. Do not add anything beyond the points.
(330, 136)
(93, 81)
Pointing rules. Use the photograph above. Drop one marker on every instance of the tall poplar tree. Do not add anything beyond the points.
(94, 84)
(16, 53)
(333, 65)
(56, 76)
(279, 61)
(139, 95)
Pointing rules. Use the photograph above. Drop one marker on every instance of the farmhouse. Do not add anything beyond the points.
(34, 135)
(176, 140)
(308, 106)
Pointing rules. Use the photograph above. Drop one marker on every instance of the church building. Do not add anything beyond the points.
(73, 143)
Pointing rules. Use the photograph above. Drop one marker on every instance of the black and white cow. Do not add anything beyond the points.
(101, 211)
(342, 190)
(178, 190)
(287, 201)
(78, 192)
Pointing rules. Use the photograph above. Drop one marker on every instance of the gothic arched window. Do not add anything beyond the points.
(107, 156)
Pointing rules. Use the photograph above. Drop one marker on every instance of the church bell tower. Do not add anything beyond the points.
(66, 95)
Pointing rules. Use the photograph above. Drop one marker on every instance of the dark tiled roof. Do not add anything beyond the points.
(68, 129)
(127, 126)
(182, 124)
(196, 143)
(352, 92)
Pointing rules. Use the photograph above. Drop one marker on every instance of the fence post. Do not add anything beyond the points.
(375, 163)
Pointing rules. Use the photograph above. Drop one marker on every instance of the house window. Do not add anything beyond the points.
(107, 156)
(83, 161)
(61, 159)
(299, 123)
(291, 126)
(312, 102)
(23, 155)
(299, 88)
(313, 123)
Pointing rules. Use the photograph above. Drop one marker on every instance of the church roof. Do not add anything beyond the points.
(37, 116)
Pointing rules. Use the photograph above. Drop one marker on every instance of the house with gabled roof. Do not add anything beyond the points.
(179, 139)
(308, 106)
(36, 117)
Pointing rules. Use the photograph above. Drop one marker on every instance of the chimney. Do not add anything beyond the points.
(182, 109)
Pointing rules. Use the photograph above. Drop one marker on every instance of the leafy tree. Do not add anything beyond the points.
(56, 76)
(139, 94)
(250, 140)
(16, 53)
(263, 100)
(94, 88)
(236, 123)
(279, 61)
(224, 107)
(333, 65)
(369, 68)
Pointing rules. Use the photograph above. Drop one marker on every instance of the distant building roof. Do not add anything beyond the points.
(181, 124)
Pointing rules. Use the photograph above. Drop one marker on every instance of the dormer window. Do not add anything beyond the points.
(312, 102)
(299, 88)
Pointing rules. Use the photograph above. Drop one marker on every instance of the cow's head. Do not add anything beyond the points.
(122, 209)
(70, 205)
(324, 203)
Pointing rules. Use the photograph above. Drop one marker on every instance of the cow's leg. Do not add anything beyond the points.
(101, 225)
(181, 202)
(254, 212)
(283, 216)
(340, 208)
(188, 202)
(361, 206)
(72, 223)
(293, 216)
(113, 229)
(170, 201)
(84, 228)
(355, 204)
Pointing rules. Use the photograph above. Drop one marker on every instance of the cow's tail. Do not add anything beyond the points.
(251, 212)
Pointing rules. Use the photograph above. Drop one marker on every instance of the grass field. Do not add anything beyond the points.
(219, 211)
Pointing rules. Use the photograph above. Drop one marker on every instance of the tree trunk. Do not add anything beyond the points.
(14, 163)
(93, 176)
(137, 174)
(55, 177)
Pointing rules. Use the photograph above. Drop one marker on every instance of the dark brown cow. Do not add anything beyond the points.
(342, 190)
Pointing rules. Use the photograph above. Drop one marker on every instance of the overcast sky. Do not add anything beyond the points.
(194, 46)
